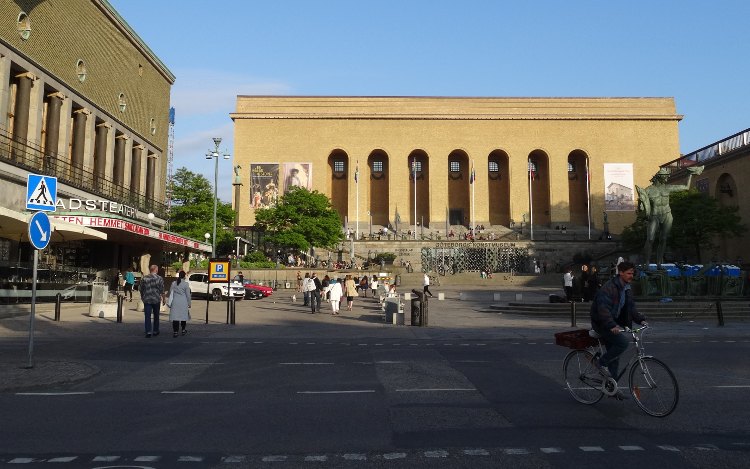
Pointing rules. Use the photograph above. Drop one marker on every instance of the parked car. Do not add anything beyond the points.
(253, 294)
(199, 287)
(267, 291)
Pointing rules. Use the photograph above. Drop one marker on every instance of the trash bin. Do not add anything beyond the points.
(398, 280)
(419, 309)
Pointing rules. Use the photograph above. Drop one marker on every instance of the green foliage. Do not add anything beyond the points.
(700, 220)
(634, 236)
(385, 257)
(300, 220)
(255, 256)
(193, 210)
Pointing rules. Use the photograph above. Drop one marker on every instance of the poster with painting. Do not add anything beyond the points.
(264, 184)
(297, 175)
(619, 190)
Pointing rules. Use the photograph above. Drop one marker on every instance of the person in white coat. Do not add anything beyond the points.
(179, 304)
(335, 293)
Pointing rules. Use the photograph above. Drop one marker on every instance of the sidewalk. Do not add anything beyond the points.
(463, 316)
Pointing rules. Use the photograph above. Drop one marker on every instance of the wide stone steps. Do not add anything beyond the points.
(699, 309)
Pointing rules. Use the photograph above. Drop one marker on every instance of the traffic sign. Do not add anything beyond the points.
(41, 193)
(40, 230)
(218, 271)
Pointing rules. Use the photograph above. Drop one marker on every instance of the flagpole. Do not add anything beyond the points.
(588, 196)
(414, 173)
(473, 182)
(531, 204)
(356, 183)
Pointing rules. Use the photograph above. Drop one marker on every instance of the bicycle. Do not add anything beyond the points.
(651, 383)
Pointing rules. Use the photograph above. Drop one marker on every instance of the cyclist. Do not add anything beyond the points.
(613, 308)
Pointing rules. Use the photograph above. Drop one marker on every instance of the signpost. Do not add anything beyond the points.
(41, 195)
(219, 271)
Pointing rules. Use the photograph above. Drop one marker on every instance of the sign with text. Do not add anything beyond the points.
(218, 270)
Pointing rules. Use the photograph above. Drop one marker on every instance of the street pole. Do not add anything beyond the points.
(216, 186)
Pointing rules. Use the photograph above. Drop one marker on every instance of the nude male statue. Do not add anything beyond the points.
(654, 200)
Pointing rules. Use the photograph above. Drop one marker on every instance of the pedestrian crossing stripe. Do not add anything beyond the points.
(41, 193)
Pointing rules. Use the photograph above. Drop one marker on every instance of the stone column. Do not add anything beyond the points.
(80, 116)
(21, 116)
(150, 177)
(52, 137)
(118, 169)
(100, 154)
(135, 173)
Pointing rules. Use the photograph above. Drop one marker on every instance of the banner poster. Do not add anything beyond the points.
(264, 184)
(619, 190)
(297, 174)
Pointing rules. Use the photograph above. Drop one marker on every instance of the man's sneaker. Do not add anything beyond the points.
(602, 369)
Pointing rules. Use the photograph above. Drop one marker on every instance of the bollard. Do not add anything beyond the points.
(120, 301)
(233, 316)
(58, 303)
(228, 308)
(572, 314)
(719, 312)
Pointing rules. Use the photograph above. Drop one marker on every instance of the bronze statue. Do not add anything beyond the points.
(654, 201)
(237, 177)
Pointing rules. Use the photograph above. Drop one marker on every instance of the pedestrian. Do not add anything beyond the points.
(426, 284)
(129, 283)
(179, 304)
(299, 281)
(241, 278)
(594, 283)
(335, 292)
(374, 286)
(614, 308)
(350, 290)
(152, 295)
(305, 289)
(568, 283)
(325, 283)
(584, 282)
(316, 288)
(363, 285)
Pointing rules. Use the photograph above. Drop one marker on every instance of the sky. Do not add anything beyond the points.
(694, 51)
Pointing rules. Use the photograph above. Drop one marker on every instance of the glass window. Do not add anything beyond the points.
(24, 25)
(494, 167)
(338, 166)
(377, 166)
(417, 166)
(571, 167)
(81, 70)
(455, 166)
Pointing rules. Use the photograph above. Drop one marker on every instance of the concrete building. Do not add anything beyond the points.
(83, 99)
(476, 161)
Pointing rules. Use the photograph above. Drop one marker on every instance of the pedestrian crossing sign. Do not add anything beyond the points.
(41, 193)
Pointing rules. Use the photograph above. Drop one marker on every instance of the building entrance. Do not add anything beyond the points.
(456, 217)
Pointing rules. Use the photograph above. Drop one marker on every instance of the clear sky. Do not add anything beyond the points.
(694, 51)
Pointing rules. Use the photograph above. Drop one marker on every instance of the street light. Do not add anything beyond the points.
(211, 155)
(207, 236)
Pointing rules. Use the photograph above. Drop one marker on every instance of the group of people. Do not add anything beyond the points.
(316, 290)
(587, 283)
(153, 295)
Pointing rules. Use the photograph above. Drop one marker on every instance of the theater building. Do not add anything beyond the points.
(83, 99)
(445, 161)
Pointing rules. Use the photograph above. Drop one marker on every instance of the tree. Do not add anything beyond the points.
(192, 210)
(300, 220)
(700, 221)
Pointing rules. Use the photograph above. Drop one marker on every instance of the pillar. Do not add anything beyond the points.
(52, 137)
(21, 116)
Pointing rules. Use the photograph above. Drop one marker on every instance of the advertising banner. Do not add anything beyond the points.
(264, 184)
(297, 175)
(619, 189)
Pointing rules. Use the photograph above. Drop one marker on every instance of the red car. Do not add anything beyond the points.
(267, 291)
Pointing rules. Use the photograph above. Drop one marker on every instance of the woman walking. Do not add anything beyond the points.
(335, 293)
(179, 304)
(350, 290)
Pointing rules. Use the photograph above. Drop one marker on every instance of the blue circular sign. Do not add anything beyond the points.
(40, 230)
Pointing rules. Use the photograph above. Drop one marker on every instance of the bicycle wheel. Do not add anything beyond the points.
(582, 378)
(654, 387)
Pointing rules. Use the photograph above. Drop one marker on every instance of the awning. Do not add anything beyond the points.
(15, 225)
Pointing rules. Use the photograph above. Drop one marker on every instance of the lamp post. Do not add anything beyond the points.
(207, 236)
(237, 252)
(211, 155)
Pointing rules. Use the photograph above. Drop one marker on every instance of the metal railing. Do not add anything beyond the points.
(33, 159)
(709, 152)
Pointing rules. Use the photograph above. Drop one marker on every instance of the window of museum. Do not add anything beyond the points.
(377, 166)
(338, 166)
(24, 25)
(121, 102)
(455, 167)
(152, 126)
(571, 167)
(81, 70)
(416, 166)
(494, 167)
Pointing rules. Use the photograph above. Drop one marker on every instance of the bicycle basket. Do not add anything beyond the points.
(577, 339)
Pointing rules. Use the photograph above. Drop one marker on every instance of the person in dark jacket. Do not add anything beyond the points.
(612, 309)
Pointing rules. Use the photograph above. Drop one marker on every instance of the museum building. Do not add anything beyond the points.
(441, 162)
(83, 99)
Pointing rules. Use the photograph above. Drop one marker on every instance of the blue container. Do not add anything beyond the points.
(714, 271)
(731, 270)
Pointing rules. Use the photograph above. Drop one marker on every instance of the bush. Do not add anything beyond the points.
(387, 257)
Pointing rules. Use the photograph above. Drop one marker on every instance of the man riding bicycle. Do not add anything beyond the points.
(613, 308)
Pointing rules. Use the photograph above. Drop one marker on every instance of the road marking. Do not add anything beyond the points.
(436, 454)
(435, 389)
(390, 456)
(355, 391)
(105, 459)
(355, 457)
(730, 387)
(631, 448)
(388, 362)
(190, 459)
(23, 460)
(476, 452)
(197, 392)
(146, 458)
(195, 363)
(258, 342)
(476, 361)
(63, 459)
(53, 393)
(306, 363)
(316, 458)
(233, 459)
(551, 450)
(274, 458)
(668, 448)
(591, 448)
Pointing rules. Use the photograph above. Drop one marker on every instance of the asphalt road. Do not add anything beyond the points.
(326, 395)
